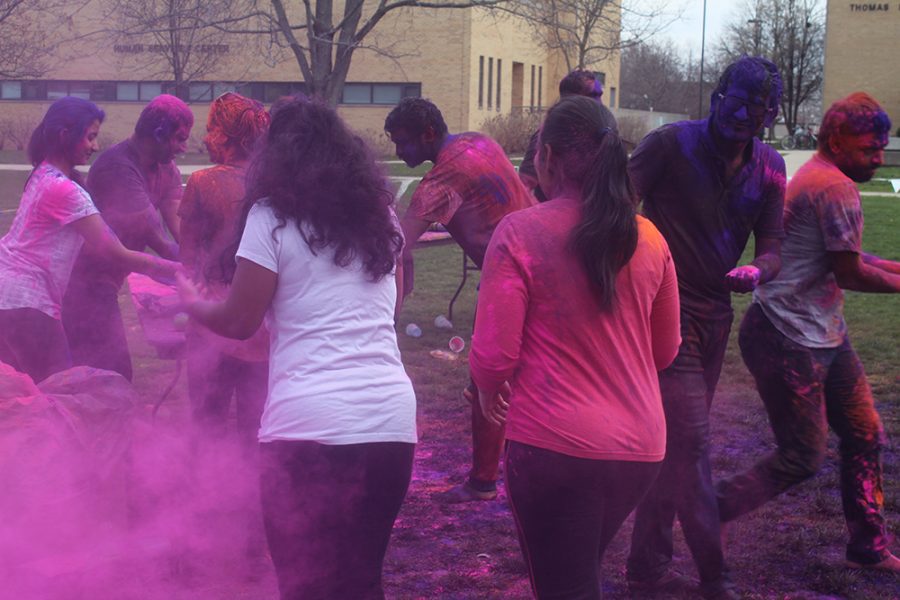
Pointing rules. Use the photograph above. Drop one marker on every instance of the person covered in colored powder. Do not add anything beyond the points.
(219, 368)
(794, 338)
(577, 83)
(707, 185)
(339, 427)
(55, 218)
(578, 310)
(470, 188)
(137, 187)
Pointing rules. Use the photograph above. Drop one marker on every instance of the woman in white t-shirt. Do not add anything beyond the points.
(317, 257)
(55, 217)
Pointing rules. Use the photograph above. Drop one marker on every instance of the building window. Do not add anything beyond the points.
(490, 82)
(57, 90)
(480, 81)
(200, 92)
(540, 87)
(531, 101)
(499, 80)
(127, 91)
(103, 91)
(11, 90)
(387, 94)
(357, 93)
(612, 97)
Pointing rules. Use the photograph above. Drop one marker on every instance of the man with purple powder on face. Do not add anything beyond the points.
(137, 188)
(794, 337)
(706, 185)
(470, 188)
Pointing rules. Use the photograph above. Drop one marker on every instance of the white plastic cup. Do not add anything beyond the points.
(442, 322)
(413, 330)
(457, 344)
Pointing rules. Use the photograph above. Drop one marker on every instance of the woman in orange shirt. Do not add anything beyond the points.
(578, 311)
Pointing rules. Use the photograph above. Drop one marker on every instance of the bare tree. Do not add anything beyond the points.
(323, 35)
(181, 32)
(791, 33)
(30, 32)
(653, 76)
(589, 31)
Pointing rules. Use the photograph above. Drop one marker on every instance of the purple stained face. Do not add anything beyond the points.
(596, 91)
(410, 149)
(739, 113)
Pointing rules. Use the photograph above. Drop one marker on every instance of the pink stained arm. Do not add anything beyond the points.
(500, 318)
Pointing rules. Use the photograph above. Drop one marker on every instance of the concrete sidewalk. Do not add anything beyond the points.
(792, 159)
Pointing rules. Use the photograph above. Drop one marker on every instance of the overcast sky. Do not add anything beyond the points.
(687, 30)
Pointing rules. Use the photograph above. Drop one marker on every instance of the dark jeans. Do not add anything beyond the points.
(329, 511)
(805, 390)
(567, 510)
(213, 379)
(33, 342)
(684, 486)
(94, 327)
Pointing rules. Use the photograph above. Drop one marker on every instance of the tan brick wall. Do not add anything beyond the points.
(862, 49)
(438, 48)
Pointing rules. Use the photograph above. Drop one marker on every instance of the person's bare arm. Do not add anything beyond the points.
(242, 312)
(413, 228)
(865, 272)
(169, 212)
(765, 266)
(101, 240)
(891, 266)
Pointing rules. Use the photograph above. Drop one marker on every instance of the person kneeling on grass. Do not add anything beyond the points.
(338, 429)
(794, 337)
(578, 311)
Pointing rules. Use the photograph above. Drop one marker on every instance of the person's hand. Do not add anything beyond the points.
(743, 279)
(494, 406)
(187, 290)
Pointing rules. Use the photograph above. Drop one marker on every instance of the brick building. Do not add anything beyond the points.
(472, 64)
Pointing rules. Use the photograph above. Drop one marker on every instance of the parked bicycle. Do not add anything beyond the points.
(803, 138)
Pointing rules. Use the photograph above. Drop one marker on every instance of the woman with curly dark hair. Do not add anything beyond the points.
(318, 255)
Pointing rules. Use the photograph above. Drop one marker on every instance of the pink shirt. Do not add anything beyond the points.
(39, 251)
(584, 382)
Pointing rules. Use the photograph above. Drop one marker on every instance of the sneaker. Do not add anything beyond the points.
(465, 493)
(670, 582)
(891, 564)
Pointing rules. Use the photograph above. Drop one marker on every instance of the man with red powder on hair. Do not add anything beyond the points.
(794, 337)
(218, 367)
(471, 187)
(137, 187)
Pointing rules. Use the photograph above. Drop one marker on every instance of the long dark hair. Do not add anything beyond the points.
(313, 170)
(62, 128)
(586, 145)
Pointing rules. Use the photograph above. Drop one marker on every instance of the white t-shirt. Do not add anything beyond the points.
(39, 250)
(335, 374)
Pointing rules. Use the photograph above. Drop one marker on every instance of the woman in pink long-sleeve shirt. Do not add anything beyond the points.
(578, 311)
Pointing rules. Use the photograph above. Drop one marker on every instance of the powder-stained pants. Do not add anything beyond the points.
(804, 391)
(329, 511)
(684, 486)
(567, 510)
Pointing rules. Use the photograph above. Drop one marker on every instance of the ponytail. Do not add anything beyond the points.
(584, 139)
